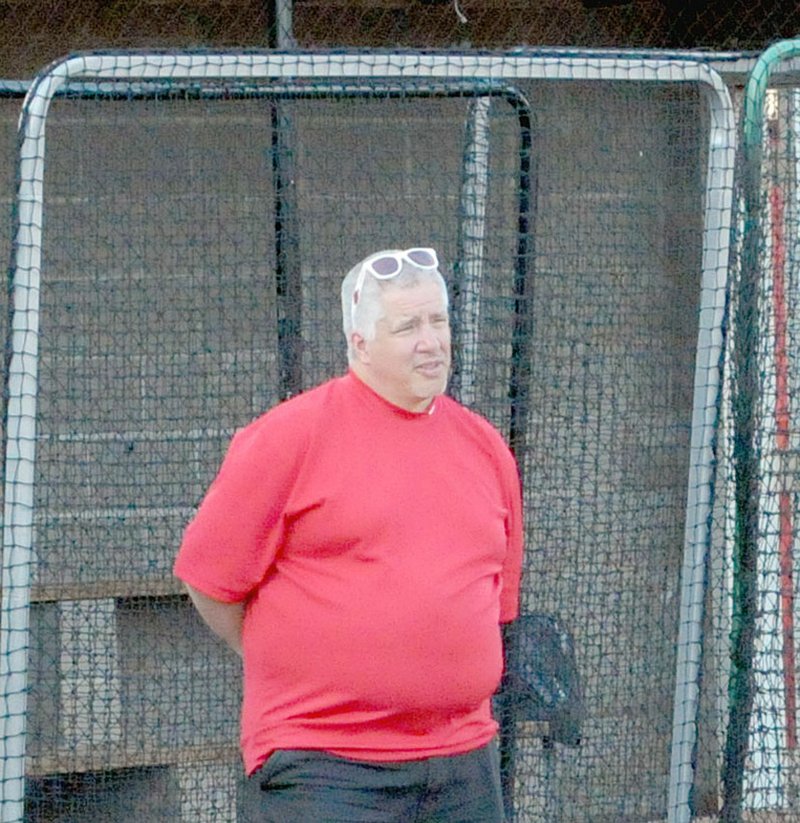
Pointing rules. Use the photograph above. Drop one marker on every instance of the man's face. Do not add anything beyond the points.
(408, 360)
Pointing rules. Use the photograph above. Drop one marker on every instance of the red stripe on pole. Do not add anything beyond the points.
(785, 542)
(779, 309)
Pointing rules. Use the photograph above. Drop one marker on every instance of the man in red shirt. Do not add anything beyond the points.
(359, 548)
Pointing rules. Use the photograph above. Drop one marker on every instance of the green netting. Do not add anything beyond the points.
(759, 764)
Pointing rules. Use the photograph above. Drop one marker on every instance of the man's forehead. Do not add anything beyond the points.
(421, 297)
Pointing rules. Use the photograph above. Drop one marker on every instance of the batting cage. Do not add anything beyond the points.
(622, 272)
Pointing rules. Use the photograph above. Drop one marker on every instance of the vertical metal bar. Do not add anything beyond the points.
(471, 251)
(700, 487)
(522, 334)
(519, 393)
(22, 392)
(284, 24)
(288, 283)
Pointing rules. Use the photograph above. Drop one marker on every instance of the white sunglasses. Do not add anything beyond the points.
(389, 265)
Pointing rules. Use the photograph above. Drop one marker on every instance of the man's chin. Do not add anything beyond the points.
(432, 388)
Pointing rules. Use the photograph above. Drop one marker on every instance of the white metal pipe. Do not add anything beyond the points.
(707, 396)
(474, 191)
(18, 557)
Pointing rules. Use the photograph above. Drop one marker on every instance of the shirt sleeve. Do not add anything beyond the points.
(231, 542)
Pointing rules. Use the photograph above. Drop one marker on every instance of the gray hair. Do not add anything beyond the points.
(369, 309)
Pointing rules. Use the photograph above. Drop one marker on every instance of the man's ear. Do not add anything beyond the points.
(360, 346)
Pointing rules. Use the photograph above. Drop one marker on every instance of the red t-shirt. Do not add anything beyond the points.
(377, 550)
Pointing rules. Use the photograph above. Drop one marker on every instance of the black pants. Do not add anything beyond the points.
(300, 786)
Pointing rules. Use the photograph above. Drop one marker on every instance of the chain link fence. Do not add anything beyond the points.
(36, 32)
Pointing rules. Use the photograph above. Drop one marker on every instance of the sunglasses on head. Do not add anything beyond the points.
(389, 264)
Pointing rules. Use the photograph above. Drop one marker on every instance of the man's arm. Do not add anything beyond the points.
(224, 619)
